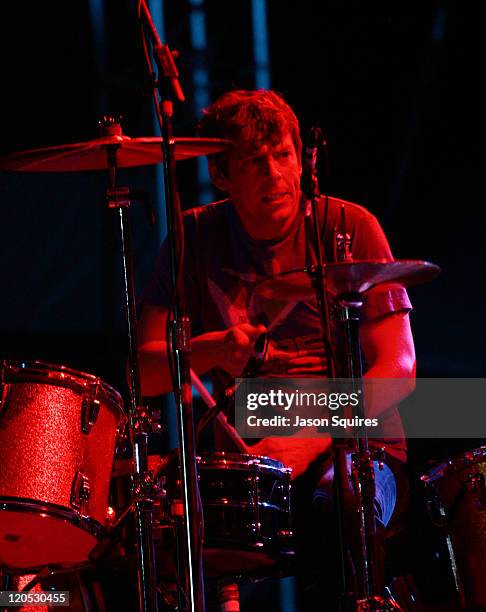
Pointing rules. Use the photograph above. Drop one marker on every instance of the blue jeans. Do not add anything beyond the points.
(385, 490)
(316, 528)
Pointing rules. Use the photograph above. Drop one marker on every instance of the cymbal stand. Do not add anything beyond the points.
(165, 89)
(362, 472)
(365, 592)
(140, 421)
(317, 274)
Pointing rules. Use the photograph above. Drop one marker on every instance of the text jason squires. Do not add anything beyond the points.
(298, 399)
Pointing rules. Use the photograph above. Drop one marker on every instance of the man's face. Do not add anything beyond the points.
(265, 188)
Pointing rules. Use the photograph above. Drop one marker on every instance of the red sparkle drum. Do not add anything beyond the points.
(58, 429)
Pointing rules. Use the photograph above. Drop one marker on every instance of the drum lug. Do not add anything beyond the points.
(90, 410)
(80, 492)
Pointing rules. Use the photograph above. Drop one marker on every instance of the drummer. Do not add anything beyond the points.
(256, 232)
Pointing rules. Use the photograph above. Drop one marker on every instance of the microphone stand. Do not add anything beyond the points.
(179, 327)
(366, 597)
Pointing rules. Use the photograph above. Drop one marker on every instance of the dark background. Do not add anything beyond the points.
(396, 87)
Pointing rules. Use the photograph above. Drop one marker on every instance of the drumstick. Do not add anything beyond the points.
(281, 316)
(206, 397)
(221, 418)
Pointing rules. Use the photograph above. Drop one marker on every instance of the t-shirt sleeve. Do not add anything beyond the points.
(369, 242)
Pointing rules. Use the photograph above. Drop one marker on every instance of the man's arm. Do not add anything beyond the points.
(388, 349)
(229, 349)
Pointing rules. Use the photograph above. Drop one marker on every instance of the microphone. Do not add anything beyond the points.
(310, 152)
(309, 182)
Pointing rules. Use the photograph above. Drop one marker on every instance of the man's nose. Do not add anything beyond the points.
(271, 167)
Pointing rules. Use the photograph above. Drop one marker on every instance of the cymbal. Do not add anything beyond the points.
(348, 277)
(91, 155)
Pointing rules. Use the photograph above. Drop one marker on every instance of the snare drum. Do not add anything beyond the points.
(58, 429)
(456, 496)
(246, 503)
(246, 506)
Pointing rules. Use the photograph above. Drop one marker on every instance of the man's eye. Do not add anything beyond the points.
(282, 154)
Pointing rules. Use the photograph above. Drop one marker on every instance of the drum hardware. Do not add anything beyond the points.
(80, 493)
(140, 422)
(143, 487)
(124, 196)
(349, 285)
(167, 513)
(343, 240)
(90, 410)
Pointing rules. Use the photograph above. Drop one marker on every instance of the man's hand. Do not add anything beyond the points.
(296, 453)
(229, 349)
(239, 342)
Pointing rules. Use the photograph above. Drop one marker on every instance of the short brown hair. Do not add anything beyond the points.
(249, 118)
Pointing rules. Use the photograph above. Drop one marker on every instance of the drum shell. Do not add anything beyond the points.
(247, 521)
(246, 500)
(45, 451)
(455, 488)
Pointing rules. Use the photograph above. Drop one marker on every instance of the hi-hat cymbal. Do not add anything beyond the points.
(348, 277)
(92, 154)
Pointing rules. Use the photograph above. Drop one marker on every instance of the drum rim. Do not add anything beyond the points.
(217, 459)
(66, 515)
(231, 459)
(18, 371)
(63, 513)
(219, 502)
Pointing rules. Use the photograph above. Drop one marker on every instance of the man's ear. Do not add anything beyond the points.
(217, 177)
